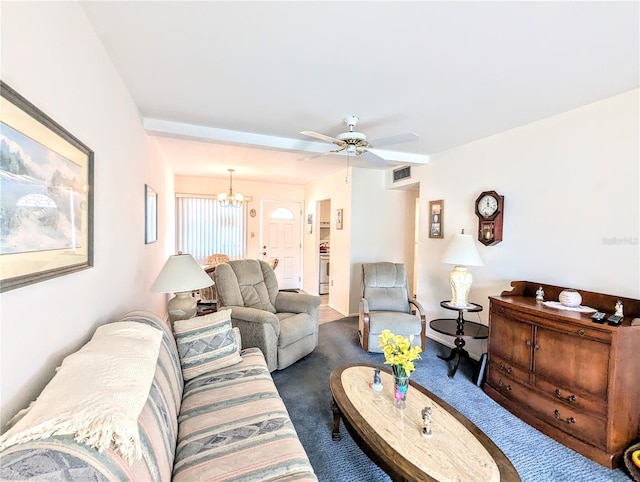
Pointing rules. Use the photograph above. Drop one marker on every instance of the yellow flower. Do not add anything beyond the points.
(385, 336)
(399, 352)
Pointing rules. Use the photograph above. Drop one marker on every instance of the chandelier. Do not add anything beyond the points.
(230, 199)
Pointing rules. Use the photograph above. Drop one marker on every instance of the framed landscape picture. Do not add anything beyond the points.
(436, 219)
(46, 196)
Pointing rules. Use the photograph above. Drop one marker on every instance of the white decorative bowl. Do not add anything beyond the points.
(570, 298)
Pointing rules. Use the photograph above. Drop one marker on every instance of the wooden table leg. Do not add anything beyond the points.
(335, 435)
(458, 352)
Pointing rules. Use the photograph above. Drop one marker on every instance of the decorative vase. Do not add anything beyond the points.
(400, 387)
(570, 298)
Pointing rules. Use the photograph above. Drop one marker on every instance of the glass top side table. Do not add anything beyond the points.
(461, 329)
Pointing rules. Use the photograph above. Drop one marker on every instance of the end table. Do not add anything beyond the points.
(205, 308)
(461, 329)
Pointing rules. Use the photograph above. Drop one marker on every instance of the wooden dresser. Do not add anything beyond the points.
(575, 380)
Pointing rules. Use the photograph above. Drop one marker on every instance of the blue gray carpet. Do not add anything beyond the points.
(304, 388)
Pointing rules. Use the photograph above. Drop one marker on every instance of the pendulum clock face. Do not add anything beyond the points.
(490, 212)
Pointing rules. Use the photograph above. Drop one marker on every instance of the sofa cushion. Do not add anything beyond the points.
(234, 426)
(207, 343)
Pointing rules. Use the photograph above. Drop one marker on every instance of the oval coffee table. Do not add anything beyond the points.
(392, 438)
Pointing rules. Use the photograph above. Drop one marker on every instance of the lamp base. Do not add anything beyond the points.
(460, 281)
(182, 306)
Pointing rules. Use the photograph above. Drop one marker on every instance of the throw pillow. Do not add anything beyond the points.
(207, 343)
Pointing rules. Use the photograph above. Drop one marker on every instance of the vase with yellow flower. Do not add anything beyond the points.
(400, 353)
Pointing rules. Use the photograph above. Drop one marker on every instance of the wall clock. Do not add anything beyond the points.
(490, 212)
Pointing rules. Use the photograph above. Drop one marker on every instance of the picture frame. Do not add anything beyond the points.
(309, 223)
(436, 219)
(339, 218)
(208, 294)
(150, 215)
(46, 196)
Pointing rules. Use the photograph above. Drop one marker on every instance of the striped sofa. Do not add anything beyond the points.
(226, 425)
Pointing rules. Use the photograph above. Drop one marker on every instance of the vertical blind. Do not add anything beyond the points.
(203, 228)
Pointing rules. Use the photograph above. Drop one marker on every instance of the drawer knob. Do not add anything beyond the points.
(505, 369)
(581, 332)
(501, 383)
(568, 420)
(528, 342)
(570, 398)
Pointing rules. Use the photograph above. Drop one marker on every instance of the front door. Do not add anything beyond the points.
(281, 240)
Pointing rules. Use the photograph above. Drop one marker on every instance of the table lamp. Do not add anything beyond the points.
(181, 274)
(461, 251)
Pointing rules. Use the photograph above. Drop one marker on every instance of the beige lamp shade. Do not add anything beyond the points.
(461, 251)
(181, 274)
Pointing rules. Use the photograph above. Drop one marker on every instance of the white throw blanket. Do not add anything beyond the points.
(97, 393)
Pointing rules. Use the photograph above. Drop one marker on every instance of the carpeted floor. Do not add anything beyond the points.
(304, 387)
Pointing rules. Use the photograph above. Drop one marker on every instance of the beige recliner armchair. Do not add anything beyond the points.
(283, 325)
(385, 304)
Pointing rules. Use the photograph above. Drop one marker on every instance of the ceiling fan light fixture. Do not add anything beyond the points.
(230, 199)
(352, 137)
(356, 143)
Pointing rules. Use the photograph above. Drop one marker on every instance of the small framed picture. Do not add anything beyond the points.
(338, 218)
(309, 223)
(150, 215)
(436, 219)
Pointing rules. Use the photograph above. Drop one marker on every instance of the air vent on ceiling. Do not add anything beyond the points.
(401, 173)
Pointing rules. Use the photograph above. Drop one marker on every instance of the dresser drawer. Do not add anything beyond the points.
(584, 426)
(507, 368)
(571, 397)
(588, 428)
(505, 383)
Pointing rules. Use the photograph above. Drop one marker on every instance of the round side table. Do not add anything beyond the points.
(461, 329)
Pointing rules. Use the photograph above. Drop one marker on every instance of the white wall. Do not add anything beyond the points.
(334, 188)
(571, 190)
(51, 55)
(378, 225)
(382, 227)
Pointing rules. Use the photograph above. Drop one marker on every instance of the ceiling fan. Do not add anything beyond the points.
(356, 143)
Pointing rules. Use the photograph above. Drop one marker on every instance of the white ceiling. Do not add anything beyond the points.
(218, 79)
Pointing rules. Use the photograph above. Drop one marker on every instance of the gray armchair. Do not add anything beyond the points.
(385, 304)
(282, 324)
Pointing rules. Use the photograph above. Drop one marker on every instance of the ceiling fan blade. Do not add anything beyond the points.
(322, 137)
(374, 159)
(385, 141)
(323, 154)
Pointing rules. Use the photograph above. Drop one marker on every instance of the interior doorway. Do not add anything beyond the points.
(324, 246)
(280, 237)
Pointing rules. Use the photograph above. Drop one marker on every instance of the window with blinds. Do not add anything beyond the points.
(203, 228)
